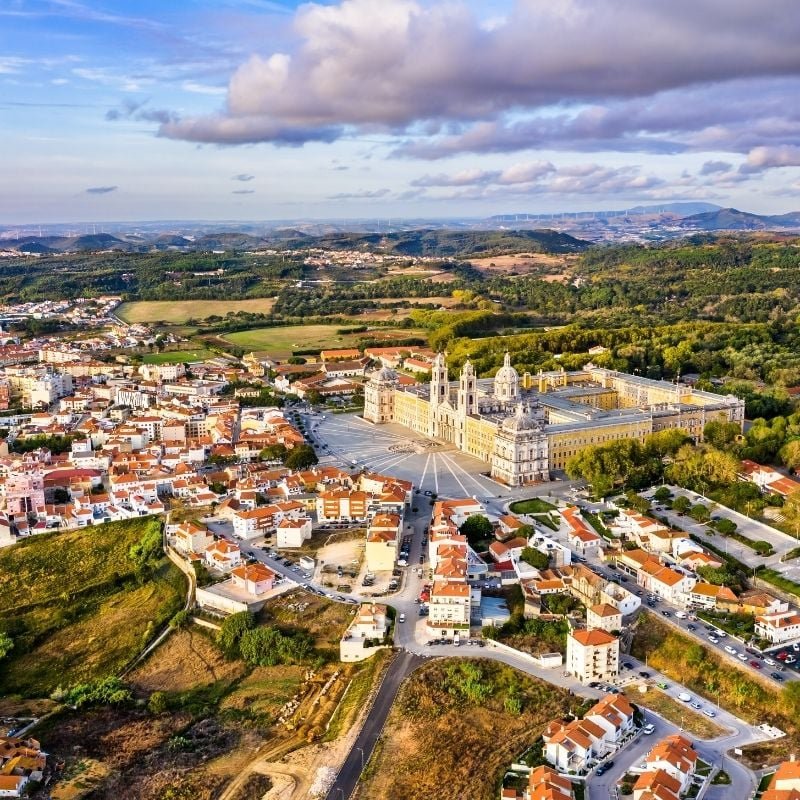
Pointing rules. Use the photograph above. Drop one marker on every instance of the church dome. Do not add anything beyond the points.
(385, 375)
(521, 421)
(506, 373)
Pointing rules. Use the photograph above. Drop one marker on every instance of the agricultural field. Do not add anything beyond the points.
(178, 312)
(88, 608)
(445, 722)
(178, 356)
(281, 342)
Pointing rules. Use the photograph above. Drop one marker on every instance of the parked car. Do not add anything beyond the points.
(648, 729)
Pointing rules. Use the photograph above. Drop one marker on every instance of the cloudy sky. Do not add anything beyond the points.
(271, 109)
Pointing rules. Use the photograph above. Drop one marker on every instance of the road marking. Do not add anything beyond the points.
(463, 488)
(436, 472)
(475, 480)
(424, 471)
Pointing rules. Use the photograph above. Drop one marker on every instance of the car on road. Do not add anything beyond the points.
(776, 676)
(685, 697)
(662, 685)
(782, 655)
(709, 713)
(769, 662)
(666, 613)
(741, 656)
(401, 618)
(790, 659)
(696, 706)
(712, 639)
(604, 768)
(627, 665)
(691, 627)
(729, 649)
(648, 729)
(755, 665)
(644, 674)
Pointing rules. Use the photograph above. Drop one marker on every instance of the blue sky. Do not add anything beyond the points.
(261, 109)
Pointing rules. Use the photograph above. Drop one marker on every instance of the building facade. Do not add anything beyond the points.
(525, 427)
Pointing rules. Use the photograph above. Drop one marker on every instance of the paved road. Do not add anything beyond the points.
(401, 667)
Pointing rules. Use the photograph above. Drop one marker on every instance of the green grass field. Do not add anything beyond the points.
(282, 341)
(178, 356)
(180, 311)
(534, 505)
(74, 607)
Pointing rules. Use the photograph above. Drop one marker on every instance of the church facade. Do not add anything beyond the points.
(525, 427)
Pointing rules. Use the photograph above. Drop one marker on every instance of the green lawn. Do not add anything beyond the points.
(75, 608)
(534, 505)
(281, 342)
(178, 356)
(180, 311)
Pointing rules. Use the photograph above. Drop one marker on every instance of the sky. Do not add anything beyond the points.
(272, 109)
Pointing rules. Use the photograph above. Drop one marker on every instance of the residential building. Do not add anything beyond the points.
(255, 579)
(192, 538)
(780, 624)
(383, 535)
(365, 634)
(222, 556)
(785, 783)
(544, 783)
(293, 532)
(592, 655)
(449, 608)
(605, 617)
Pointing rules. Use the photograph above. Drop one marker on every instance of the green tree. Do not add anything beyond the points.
(721, 434)
(157, 704)
(273, 452)
(681, 504)
(662, 494)
(232, 630)
(301, 457)
(700, 513)
(477, 529)
(536, 558)
(790, 454)
(6, 645)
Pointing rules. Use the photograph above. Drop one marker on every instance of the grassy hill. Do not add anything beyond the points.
(456, 727)
(78, 605)
(449, 244)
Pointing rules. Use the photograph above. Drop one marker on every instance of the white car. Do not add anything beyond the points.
(729, 649)
(742, 656)
(648, 729)
(709, 713)
(769, 662)
(713, 639)
(402, 618)
(685, 697)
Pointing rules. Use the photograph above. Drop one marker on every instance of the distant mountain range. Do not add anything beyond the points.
(731, 219)
(558, 233)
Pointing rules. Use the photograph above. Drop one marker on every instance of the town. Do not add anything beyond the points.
(449, 530)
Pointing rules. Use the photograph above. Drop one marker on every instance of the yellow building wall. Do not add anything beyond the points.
(562, 445)
(479, 436)
(412, 411)
(379, 556)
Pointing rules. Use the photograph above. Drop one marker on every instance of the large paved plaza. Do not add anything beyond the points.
(429, 464)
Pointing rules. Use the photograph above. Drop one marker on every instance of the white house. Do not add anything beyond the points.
(293, 532)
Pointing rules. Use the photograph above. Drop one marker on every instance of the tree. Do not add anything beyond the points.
(662, 494)
(6, 645)
(790, 454)
(314, 397)
(273, 452)
(721, 434)
(301, 457)
(725, 526)
(477, 529)
(232, 630)
(681, 504)
(536, 558)
(700, 513)
(637, 502)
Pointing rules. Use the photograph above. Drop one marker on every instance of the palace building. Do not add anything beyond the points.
(525, 427)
